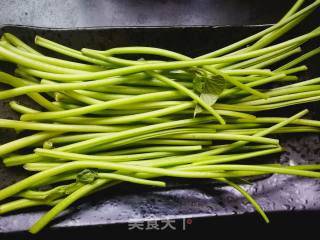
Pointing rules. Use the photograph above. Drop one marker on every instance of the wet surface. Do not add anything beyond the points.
(128, 203)
(88, 13)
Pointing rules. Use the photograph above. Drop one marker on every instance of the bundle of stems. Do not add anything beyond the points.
(104, 120)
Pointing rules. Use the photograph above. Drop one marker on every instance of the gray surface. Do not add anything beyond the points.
(86, 13)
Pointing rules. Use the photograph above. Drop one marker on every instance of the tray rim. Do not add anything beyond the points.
(131, 27)
(91, 28)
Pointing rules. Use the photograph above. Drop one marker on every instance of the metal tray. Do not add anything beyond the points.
(130, 203)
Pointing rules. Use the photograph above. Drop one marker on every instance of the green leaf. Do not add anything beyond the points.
(86, 176)
(62, 191)
(197, 84)
(209, 87)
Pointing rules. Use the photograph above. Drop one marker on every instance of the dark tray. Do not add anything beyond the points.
(130, 203)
